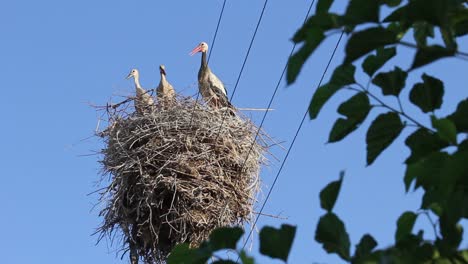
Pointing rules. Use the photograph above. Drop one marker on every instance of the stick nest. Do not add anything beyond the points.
(176, 174)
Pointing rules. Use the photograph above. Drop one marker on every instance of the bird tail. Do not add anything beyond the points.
(231, 108)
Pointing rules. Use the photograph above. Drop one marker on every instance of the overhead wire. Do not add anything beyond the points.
(221, 13)
(243, 65)
(291, 146)
(273, 95)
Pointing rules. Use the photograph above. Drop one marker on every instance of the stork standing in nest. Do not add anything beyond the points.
(165, 92)
(144, 103)
(211, 88)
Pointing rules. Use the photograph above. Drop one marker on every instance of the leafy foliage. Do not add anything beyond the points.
(405, 226)
(428, 95)
(355, 110)
(365, 41)
(391, 82)
(329, 194)
(342, 76)
(331, 232)
(374, 62)
(430, 54)
(276, 243)
(382, 132)
(440, 173)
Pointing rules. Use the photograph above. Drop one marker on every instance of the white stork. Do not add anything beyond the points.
(211, 88)
(165, 92)
(144, 103)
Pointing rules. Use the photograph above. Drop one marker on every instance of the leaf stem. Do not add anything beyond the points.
(399, 104)
(458, 54)
(401, 113)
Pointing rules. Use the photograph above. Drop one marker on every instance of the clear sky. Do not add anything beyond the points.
(56, 57)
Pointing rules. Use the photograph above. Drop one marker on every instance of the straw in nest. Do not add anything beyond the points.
(176, 174)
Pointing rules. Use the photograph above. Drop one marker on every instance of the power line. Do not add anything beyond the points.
(243, 66)
(216, 31)
(209, 56)
(274, 92)
(291, 145)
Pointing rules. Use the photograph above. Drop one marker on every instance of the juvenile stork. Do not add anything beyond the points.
(165, 92)
(211, 88)
(144, 103)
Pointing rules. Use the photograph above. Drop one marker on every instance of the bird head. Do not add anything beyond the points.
(162, 69)
(133, 73)
(202, 47)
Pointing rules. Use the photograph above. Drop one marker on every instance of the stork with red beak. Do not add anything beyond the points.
(165, 92)
(209, 85)
(144, 103)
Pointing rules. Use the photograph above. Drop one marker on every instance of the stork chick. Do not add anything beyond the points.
(144, 103)
(165, 92)
(211, 88)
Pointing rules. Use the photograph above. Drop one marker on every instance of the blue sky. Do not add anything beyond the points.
(59, 56)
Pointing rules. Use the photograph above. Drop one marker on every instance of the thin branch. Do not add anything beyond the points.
(363, 89)
(433, 224)
(255, 109)
(399, 104)
(458, 54)
(270, 215)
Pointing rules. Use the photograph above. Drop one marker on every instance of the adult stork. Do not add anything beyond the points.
(211, 88)
(165, 92)
(144, 103)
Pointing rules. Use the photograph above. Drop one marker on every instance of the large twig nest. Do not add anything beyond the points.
(176, 174)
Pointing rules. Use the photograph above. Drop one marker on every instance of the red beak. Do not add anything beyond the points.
(195, 50)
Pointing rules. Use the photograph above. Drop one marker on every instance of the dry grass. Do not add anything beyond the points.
(174, 176)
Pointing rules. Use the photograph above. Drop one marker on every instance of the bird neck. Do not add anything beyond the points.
(137, 81)
(204, 63)
(163, 77)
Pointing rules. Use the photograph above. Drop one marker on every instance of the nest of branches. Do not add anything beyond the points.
(176, 174)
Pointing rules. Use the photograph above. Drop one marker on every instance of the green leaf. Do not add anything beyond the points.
(427, 171)
(461, 28)
(405, 225)
(430, 54)
(182, 253)
(391, 3)
(324, 21)
(276, 243)
(343, 75)
(245, 258)
(448, 38)
(329, 194)
(445, 129)
(382, 132)
(356, 110)
(399, 29)
(374, 62)
(365, 246)
(225, 238)
(361, 11)
(422, 143)
(459, 117)
(391, 82)
(434, 12)
(323, 6)
(397, 15)
(331, 233)
(313, 37)
(365, 41)
(427, 95)
(452, 233)
(421, 31)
